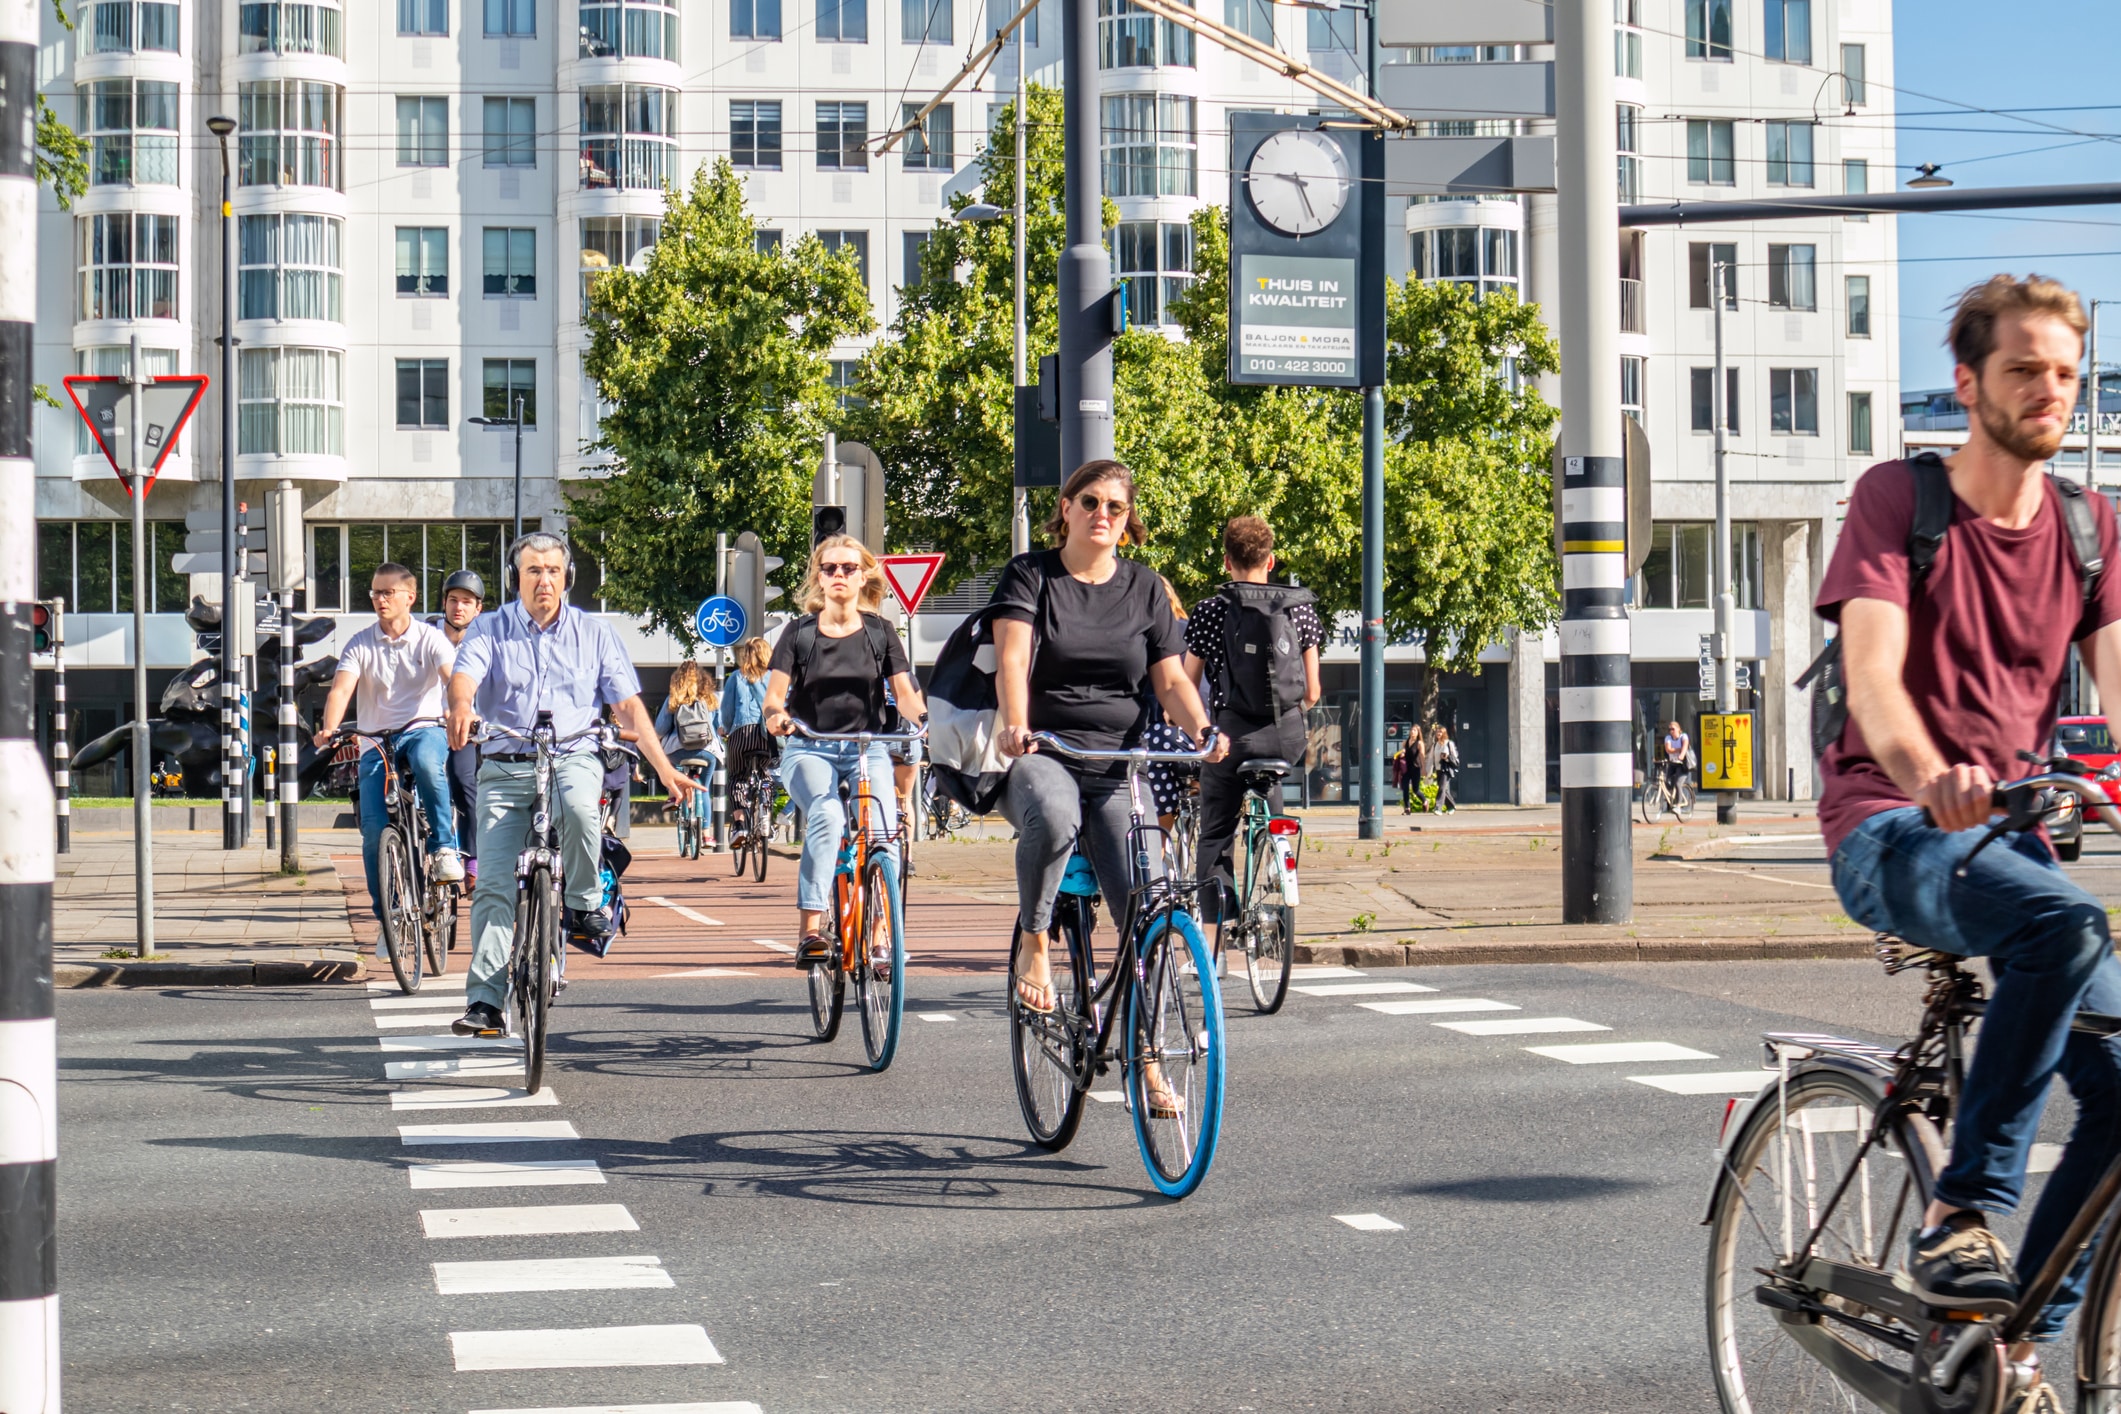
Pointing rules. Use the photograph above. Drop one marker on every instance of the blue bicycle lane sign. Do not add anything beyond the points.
(720, 621)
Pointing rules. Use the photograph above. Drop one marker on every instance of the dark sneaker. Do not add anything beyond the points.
(1963, 1266)
(812, 950)
(479, 1019)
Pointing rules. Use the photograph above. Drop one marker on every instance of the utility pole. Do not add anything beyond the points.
(235, 790)
(1597, 696)
(1726, 599)
(1085, 275)
(143, 759)
(1370, 816)
(29, 1066)
(287, 521)
(1020, 499)
(2091, 398)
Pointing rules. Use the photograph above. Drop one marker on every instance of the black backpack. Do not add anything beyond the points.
(878, 632)
(1925, 537)
(1263, 659)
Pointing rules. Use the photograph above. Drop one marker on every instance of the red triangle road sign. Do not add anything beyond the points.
(909, 576)
(105, 404)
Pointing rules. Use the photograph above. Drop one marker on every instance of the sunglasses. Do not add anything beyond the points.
(1090, 504)
(836, 569)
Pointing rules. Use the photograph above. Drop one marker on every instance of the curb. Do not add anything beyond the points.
(1587, 950)
(205, 974)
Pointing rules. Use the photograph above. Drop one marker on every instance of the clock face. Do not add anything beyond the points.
(1299, 182)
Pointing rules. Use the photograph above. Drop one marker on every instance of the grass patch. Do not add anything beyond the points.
(1362, 922)
(128, 955)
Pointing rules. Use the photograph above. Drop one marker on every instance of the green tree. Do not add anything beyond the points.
(714, 358)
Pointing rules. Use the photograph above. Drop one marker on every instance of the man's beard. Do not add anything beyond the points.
(2013, 436)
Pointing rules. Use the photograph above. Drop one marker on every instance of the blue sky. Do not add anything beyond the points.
(2051, 54)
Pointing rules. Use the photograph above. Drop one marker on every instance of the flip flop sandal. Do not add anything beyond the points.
(1023, 983)
(1170, 1106)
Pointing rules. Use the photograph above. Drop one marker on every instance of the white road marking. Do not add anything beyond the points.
(1521, 1026)
(1310, 969)
(1714, 1082)
(1427, 1006)
(1614, 1052)
(447, 1043)
(683, 912)
(551, 1274)
(1109, 1097)
(935, 1016)
(417, 1018)
(401, 1002)
(1368, 1222)
(469, 1098)
(527, 1131)
(484, 1066)
(444, 982)
(1746, 874)
(1357, 989)
(535, 1173)
(1815, 838)
(709, 972)
(544, 1221)
(777, 947)
(2043, 1158)
(720, 1406)
(604, 1347)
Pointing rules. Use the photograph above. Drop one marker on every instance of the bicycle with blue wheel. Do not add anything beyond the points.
(1157, 1013)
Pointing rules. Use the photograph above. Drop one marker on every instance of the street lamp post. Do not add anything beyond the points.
(980, 211)
(235, 789)
(515, 420)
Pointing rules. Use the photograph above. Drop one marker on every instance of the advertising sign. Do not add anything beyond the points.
(1726, 750)
(1298, 317)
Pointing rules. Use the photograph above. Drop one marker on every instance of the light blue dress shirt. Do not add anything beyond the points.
(572, 669)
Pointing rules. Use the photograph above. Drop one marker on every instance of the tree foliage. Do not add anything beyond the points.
(714, 360)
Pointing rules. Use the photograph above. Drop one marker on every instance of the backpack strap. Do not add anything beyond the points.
(2083, 532)
(1933, 513)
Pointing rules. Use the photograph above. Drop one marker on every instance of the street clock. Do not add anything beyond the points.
(1299, 181)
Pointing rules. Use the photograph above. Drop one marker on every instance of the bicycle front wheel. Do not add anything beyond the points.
(1270, 934)
(1794, 1153)
(1174, 1053)
(402, 903)
(537, 947)
(828, 979)
(1049, 1053)
(441, 927)
(1683, 801)
(880, 971)
(1652, 802)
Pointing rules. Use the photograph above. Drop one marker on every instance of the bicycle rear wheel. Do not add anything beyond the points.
(1792, 1154)
(1174, 1021)
(441, 927)
(761, 835)
(537, 944)
(1270, 934)
(400, 887)
(1050, 1054)
(1683, 801)
(828, 979)
(880, 970)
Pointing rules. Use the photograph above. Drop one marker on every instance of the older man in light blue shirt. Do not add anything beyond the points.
(535, 655)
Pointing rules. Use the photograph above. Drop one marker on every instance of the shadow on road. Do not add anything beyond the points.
(1529, 1188)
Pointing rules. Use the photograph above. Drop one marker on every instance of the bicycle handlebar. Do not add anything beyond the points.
(493, 731)
(2027, 802)
(387, 733)
(1139, 755)
(804, 728)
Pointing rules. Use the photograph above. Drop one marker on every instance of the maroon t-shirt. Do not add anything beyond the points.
(1989, 632)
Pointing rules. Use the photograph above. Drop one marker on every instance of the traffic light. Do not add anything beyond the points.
(749, 565)
(43, 625)
(827, 520)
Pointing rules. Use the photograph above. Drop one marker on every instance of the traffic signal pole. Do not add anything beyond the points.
(143, 745)
(62, 749)
(1370, 812)
(1085, 275)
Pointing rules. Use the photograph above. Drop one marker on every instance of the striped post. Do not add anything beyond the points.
(290, 748)
(1597, 716)
(29, 1127)
(272, 797)
(720, 793)
(62, 749)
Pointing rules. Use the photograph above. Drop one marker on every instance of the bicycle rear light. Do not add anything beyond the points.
(1284, 826)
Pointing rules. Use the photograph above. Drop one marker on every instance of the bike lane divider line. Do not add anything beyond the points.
(534, 1131)
(1620, 1052)
(933, 1015)
(414, 1002)
(1368, 1222)
(1714, 1082)
(492, 1067)
(598, 1348)
(550, 1220)
(1109, 1097)
(776, 945)
(1355, 989)
(551, 1274)
(708, 972)
(445, 982)
(448, 1043)
(1309, 970)
(683, 912)
(470, 1099)
(529, 1173)
(718, 1406)
(1521, 1026)
(417, 1018)
(1430, 1006)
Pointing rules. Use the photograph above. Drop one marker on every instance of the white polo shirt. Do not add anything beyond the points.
(399, 679)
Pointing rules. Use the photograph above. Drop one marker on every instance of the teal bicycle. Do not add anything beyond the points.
(1264, 927)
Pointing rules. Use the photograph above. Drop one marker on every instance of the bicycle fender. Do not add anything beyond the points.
(1284, 857)
(1863, 1068)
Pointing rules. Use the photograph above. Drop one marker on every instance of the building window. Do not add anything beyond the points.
(767, 242)
(423, 16)
(511, 19)
(290, 133)
(1708, 30)
(613, 243)
(288, 28)
(912, 246)
(1789, 31)
(511, 262)
(1153, 261)
(933, 145)
(344, 557)
(1151, 145)
(1854, 90)
(1701, 259)
(638, 29)
(89, 563)
(755, 135)
(290, 268)
(131, 127)
(1789, 154)
(1627, 39)
(1331, 31)
(843, 21)
(423, 132)
(1859, 303)
(1710, 156)
(1793, 401)
(511, 132)
(1793, 276)
(128, 266)
(1482, 257)
(1679, 571)
(1131, 38)
(856, 241)
(627, 137)
(423, 392)
(925, 21)
(843, 136)
(509, 379)
(125, 27)
(1634, 386)
(844, 378)
(423, 262)
(1856, 181)
(291, 402)
(1860, 423)
(1251, 17)
(1701, 384)
(755, 19)
(1628, 131)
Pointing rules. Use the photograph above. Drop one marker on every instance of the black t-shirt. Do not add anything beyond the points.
(1092, 645)
(839, 689)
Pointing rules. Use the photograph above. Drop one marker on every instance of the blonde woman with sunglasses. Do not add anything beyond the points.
(829, 671)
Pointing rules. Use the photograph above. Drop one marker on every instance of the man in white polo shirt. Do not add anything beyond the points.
(398, 672)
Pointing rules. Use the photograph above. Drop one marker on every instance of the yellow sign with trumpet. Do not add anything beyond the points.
(1726, 750)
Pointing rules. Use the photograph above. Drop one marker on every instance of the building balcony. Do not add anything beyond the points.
(1634, 318)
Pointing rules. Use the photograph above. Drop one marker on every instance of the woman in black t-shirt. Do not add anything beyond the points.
(1080, 631)
(830, 669)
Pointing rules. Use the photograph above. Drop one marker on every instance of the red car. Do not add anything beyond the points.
(2086, 739)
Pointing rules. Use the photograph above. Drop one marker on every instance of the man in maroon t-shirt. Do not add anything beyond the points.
(1948, 679)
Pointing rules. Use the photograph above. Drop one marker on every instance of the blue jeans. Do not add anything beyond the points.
(507, 789)
(424, 751)
(812, 771)
(2049, 953)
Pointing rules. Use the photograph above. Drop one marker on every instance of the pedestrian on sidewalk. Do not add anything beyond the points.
(1444, 755)
(1413, 766)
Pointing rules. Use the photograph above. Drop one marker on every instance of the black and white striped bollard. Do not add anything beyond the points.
(1597, 695)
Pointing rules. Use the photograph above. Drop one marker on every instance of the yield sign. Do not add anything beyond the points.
(105, 404)
(910, 576)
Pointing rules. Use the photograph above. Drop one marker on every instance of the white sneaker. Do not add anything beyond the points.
(448, 866)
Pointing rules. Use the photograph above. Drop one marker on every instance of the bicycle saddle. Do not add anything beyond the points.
(1269, 768)
(1898, 954)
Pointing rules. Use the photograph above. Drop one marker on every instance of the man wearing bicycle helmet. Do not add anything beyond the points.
(540, 654)
(463, 597)
(393, 672)
(1954, 648)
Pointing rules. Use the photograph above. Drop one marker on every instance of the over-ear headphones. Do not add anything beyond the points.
(515, 588)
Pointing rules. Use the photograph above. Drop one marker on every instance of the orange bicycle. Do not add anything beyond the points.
(868, 917)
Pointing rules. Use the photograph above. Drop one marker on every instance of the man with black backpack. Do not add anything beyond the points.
(1258, 645)
(1960, 586)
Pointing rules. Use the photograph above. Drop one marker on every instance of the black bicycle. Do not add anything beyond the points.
(751, 820)
(1264, 928)
(1829, 1169)
(419, 913)
(691, 816)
